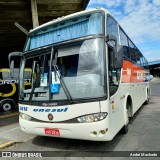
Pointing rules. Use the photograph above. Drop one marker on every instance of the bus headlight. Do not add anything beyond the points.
(25, 116)
(92, 117)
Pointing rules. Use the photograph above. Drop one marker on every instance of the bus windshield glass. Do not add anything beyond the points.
(66, 29)
(80, 65)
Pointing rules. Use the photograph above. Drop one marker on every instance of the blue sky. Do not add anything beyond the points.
(141, 21)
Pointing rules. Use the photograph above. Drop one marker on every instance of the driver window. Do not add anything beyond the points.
(114, 74)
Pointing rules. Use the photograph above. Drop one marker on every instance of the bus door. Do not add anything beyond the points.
(116, 105)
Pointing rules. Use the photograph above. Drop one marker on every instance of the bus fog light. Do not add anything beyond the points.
(92, 117)
(103, 131)
(95, 132)
(25, 116)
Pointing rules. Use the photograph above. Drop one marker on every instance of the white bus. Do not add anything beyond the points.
(87, 79)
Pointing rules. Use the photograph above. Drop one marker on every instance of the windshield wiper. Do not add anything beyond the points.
(33, 88)
(36, 82)
(66, 91)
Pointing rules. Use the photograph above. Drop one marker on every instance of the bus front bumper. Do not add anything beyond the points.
(96, 131)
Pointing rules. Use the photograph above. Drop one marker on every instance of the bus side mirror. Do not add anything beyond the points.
(11, 62)
(111, 37)
(12, 68)
(149, 77)
(119, 57)
(117, 51)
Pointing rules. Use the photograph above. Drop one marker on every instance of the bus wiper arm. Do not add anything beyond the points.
(35, 83)
(66, 91)
(33, 88)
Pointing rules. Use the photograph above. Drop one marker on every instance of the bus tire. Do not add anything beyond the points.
(7, 105)
(124, 129)
(147, 99)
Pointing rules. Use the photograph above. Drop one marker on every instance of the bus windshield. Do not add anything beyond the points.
(66, 29)
(80, 64)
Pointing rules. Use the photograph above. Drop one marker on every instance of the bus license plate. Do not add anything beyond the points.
(51, 131)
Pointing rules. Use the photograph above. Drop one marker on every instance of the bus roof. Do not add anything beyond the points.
(59, 19)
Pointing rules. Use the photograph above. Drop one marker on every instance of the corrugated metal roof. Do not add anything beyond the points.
(11, 11)
(154, 62)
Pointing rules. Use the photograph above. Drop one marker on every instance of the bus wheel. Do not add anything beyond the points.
(6, 106)
(124, 130)
(148, 97)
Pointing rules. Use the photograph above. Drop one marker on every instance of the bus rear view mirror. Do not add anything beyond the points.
(112, 41)
(117, 51)
(13, 54)
(12, 68)
(151, 77)
(119, 57)
(11, 61)
(148, 77)
(110, 37)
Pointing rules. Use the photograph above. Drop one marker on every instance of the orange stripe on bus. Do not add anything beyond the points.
(132, 72)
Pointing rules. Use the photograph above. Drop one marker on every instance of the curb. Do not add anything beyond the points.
(6, 144)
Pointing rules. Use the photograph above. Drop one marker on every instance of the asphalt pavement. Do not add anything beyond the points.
(10, 132)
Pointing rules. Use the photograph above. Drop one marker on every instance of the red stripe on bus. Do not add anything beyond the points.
(132, 72)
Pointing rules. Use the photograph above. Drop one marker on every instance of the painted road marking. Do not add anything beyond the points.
(6, 144)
